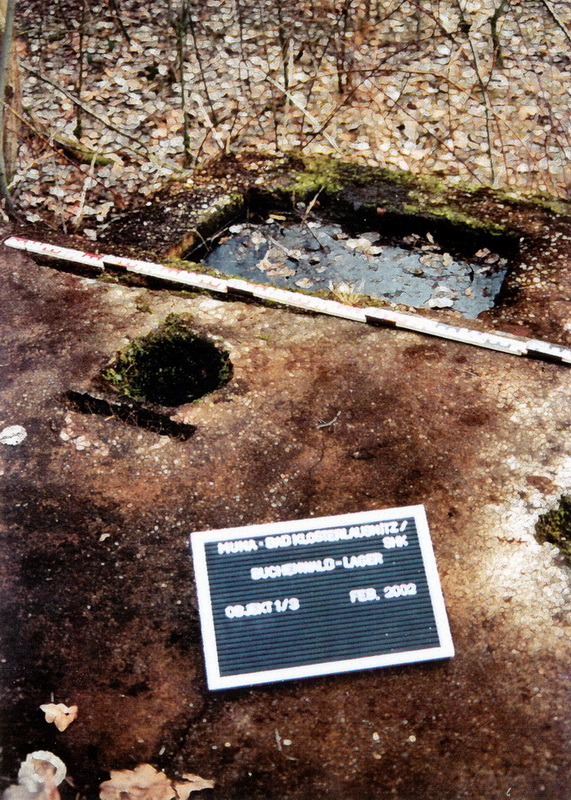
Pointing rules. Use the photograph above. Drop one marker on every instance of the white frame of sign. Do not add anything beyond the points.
(217, 681)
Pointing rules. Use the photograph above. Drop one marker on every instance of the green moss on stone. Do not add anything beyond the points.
(225, 208)
(555, 527)
(394, 190)
(459, 218)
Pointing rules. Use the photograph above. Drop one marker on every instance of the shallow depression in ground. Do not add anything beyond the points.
(316, 255)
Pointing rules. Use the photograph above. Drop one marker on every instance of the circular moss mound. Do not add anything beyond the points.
(170, 366)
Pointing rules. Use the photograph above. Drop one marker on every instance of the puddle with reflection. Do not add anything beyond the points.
(318, 255)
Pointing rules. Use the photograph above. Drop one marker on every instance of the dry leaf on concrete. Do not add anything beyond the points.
(142, 783)
(192, 783)
(61, 715)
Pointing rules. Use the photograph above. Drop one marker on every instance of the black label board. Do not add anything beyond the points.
(319, 596)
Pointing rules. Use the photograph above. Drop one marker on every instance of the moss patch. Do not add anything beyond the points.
(555, 527)
(323, 174)
(170, 366)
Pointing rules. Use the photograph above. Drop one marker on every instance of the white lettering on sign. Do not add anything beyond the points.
(292, 568)
(335, 534)
(399, 590)
(238, 610)
(237, 546)
(363, 595)
(391, 531)
(278, 541)
(395, 541)
(362, 560)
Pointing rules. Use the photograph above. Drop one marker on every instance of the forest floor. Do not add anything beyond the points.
(438, 88)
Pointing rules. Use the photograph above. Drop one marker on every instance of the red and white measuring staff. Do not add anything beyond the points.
(517, 346)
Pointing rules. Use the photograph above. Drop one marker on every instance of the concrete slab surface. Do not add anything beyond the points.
(98, 590)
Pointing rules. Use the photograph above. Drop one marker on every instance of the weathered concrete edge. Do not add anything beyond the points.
(192, 211)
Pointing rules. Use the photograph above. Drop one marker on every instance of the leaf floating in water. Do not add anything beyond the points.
(439, 302)
(268, 265)
(358, 244)
(61, 715)
(281, 272)
(257, 238)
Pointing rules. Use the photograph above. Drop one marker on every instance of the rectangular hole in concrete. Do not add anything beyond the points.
(318, 255)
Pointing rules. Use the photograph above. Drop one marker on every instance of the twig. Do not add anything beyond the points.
(304, 111)
(556, 18)
(49, 141)
(437, 138)
(84, 189)
(179, 26)
(278, 739)
(113, 4)
(284, 42)
(83, 107)
(289, 253)
(494, 19)
(81, 59)
(465, 28)
(210, 125)
(331, 421)
(192, 28)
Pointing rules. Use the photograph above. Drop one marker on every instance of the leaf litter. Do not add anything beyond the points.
(42, 772)
(426, 89)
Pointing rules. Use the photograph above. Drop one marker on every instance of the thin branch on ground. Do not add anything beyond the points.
(81, 61)
(465, 28)
(556, 18)
(52, 143)
(114, 6)
(314, 122)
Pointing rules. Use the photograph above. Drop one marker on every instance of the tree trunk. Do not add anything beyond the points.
(12, 98)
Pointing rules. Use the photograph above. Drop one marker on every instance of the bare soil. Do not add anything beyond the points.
(97, 580)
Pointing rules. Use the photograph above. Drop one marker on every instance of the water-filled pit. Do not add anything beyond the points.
(316, 255)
